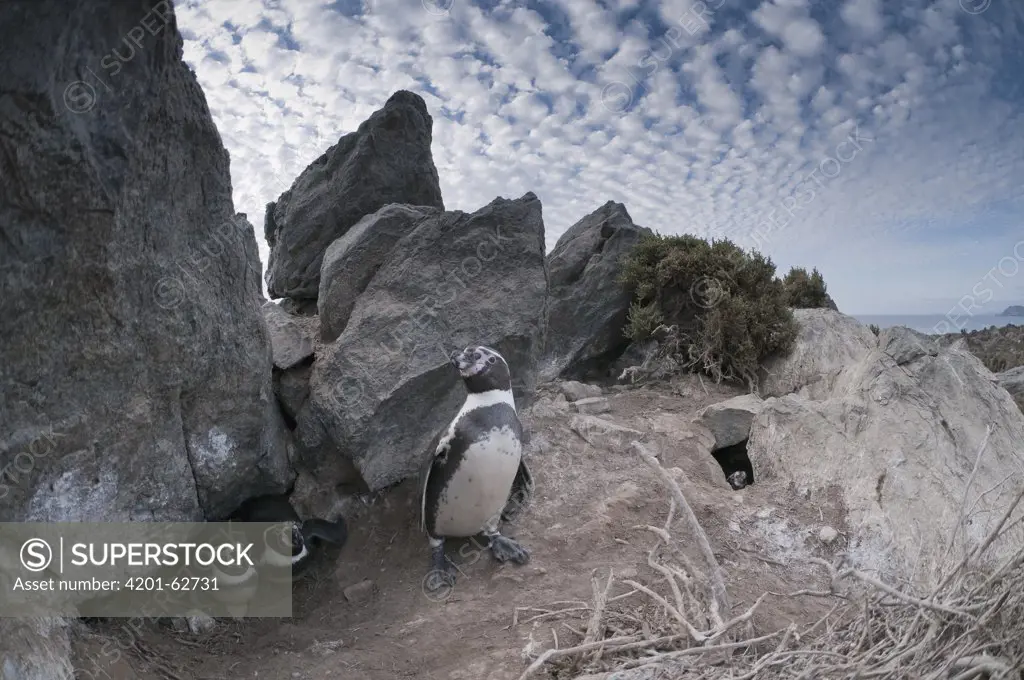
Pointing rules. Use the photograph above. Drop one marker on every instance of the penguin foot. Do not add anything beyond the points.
(440, 580)
(505, 549)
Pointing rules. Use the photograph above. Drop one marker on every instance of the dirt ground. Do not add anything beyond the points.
(592, 492)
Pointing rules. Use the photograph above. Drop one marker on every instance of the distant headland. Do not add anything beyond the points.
(1013, 310)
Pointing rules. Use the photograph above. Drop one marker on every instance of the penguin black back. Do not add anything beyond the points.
(320, 529)
(278, 508)
(287, 554)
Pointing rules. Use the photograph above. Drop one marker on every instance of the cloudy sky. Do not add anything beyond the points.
(882, 142)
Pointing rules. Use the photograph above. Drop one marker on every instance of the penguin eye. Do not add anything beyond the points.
(491, 360)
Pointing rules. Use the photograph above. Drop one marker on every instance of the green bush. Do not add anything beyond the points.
(642, 320)
(806, 291)
(727, 306)
(874, 329)
(1000, 348)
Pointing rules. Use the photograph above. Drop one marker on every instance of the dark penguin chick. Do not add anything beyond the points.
(469, 475)
(293, 546)
(738, 480)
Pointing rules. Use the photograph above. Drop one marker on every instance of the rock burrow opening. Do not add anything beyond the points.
(735, 464)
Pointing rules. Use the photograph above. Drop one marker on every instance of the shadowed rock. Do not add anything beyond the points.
(386, 160)
(292, 388)
(587, 306)
(135, 374)
(381, 391)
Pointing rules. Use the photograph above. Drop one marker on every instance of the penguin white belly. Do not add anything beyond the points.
(480, 485)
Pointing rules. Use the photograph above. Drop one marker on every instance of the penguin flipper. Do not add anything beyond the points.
(332, 532)
(521, 493)
(438, 452)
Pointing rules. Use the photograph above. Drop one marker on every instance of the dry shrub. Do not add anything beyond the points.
(1000, 348)
(725, 306)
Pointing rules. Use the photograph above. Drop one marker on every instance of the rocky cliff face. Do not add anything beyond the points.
(386, 160)
(135, 365)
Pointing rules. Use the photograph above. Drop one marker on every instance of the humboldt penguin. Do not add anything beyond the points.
(292, 546)
(468, 477)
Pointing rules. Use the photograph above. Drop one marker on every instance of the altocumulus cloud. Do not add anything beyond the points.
(881, 142)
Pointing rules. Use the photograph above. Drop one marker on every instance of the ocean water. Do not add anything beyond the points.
(937, 324)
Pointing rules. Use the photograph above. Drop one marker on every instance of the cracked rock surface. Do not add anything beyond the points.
(135, 364)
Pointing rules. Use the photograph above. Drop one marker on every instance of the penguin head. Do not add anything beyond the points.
(738, 480)
(286, 540)
(482, 368)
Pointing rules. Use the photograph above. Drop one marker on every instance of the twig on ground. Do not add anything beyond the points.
(552, 654)
(594, 627)
(720, 599)
(903, 596)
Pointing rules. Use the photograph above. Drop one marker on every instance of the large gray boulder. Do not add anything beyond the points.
(587, 305)
(351, 261)
(35, 648)
(135, 365)
(729, 421)
(826, 343)
(895, 436)
(380, 392)
(386, 160)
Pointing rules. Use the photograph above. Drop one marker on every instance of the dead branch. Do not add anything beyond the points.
(720, 599)
(594, 627)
